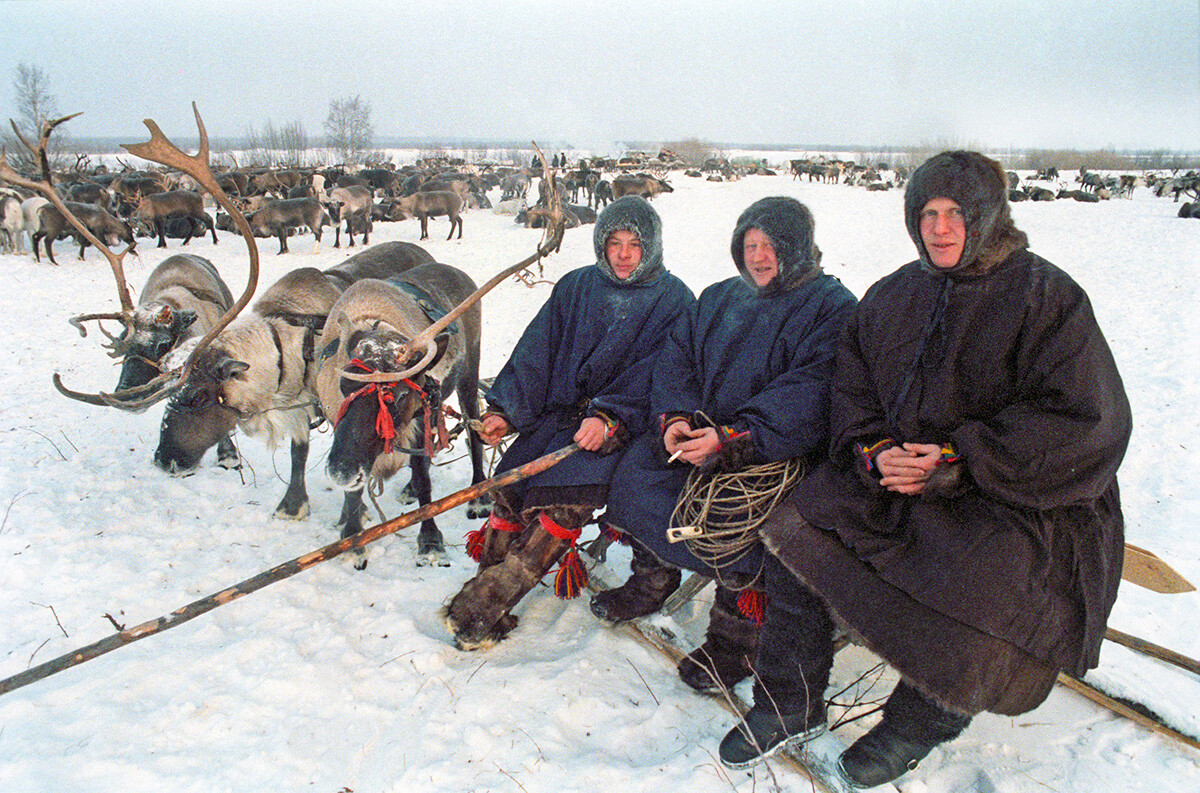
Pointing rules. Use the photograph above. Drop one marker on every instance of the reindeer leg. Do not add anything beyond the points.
(294, 505)
(350, 523)
(227, 454)
(430, 548)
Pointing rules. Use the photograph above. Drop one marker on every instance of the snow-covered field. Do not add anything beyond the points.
(338, 680)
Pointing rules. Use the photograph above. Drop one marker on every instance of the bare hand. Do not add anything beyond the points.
(591, 434)
(494, 427)
(693, 446)
(675, 433)
(905, 469)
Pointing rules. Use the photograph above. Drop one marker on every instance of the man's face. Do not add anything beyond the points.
(944, 231)
(623, 250)
(758, 254)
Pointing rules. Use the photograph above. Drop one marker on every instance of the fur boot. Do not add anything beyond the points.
(478, 614)
(912, 725)
(643, 593)
(730, 644)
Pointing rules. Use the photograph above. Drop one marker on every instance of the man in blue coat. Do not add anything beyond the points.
(580, 372)
(743, 379)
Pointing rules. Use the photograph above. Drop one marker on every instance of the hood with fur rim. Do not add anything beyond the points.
(789, 224)
(631, 213)
(978, 185)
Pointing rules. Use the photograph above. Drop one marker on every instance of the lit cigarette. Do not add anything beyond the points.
(675, 456)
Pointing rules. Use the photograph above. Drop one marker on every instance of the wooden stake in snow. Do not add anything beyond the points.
(280, 572)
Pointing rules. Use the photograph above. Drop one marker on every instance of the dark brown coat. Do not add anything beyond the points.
(981, 588)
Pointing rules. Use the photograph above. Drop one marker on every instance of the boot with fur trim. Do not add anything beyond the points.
(730, 644)
(643, 593)
(478, 615)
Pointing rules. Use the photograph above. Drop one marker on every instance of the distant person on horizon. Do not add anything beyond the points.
(967, 527)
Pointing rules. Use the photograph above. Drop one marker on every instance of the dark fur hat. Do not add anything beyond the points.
(631, 213)
(977, 184)
(789, 224)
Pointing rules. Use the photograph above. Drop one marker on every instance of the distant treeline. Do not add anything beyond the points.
(1107, 159)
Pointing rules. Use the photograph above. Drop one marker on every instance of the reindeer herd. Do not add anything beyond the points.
(1092, 187)
(374, 345)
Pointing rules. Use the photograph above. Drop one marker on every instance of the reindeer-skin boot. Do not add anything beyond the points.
(643, 593)
(478, 615)
(489, 544)
(912, 725)
(730, 643)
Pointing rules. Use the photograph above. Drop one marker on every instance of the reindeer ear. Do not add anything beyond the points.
(228, 368)
(185, 317)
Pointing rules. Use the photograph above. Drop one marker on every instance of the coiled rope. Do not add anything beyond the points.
(727, 509)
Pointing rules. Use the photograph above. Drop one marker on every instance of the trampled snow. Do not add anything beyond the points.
(338, 680)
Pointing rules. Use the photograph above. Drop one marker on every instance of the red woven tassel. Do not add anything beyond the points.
(753, 604)
(476, 537)
(475, 544)
(613, 533)
(572, 576)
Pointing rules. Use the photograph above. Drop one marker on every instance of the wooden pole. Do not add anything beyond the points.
(1153, 650)
(280, 572)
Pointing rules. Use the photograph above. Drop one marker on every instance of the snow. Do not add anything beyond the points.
(340, 680)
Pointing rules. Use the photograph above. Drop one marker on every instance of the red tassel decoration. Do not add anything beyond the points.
(613, 533)
(475, 544)
(572, 576)
(476, 537)
(753, 604)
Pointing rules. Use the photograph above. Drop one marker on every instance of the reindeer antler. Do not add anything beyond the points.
(424, 340)
(159, 149)
(46, 187)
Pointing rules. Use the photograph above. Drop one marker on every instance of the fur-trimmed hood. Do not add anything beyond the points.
(789, 224)
(978, 185)
(631, 213)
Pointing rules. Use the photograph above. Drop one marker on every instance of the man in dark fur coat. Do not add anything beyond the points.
(967, 527)
(580, 371)
(743, 379)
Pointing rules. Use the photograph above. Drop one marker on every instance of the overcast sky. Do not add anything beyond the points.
(886, 73)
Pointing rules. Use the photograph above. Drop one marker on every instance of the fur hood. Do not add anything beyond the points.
(977, 184)
(631, 213)
(789, 224)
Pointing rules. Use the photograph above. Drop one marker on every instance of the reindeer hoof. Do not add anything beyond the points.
(433, 559)
(478, 508)
(230, 463)
(287, 512)
(360, 559)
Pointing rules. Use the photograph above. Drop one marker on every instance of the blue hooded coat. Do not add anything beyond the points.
(590, 351)
(752, 359)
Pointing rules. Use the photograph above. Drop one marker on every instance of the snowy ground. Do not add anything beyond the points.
(338, 680)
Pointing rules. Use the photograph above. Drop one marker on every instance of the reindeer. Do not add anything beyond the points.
(12, 223)
(277, 218)
(354, 205)
(378, 427)
(156, 209)
(259, 373)
(183, 299)
(53, 223)
(426, 205)
(642, 184)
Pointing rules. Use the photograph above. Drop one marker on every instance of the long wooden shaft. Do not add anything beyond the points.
(280, 572)
(1153, 650)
